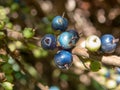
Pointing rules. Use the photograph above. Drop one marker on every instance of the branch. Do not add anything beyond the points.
(83, 24)
(42, 87)
(14, 34)
(111, 60)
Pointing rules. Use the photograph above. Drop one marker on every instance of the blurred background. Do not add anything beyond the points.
(29, 67)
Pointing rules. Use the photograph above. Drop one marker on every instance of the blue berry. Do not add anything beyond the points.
(59, 23)
(67, 40)
(48, 42)
(54, 88)
(108, 43)
(63, 59)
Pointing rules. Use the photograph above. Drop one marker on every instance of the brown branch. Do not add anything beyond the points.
(111, 60)
(79, 63)
(14, 34)
(42, 87)
(82, 23)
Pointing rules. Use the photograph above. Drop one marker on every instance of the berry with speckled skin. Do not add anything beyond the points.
(67, 40)
(63, 59)
(48, 42)
(108, 43)
(59, 23)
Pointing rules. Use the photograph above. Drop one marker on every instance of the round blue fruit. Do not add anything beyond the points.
(108, 43)
(54, 88)
(48, 42)
(67, 40)
(63, 59)
(59, 23)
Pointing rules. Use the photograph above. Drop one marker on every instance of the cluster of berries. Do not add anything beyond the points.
(106, 43)
(67, 40)
(110, 78)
